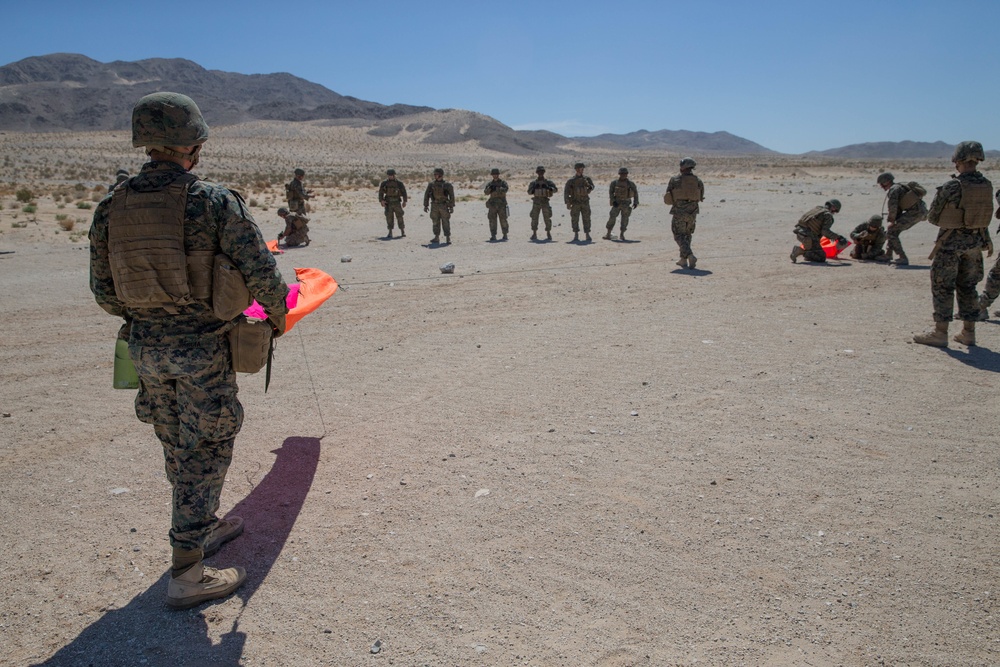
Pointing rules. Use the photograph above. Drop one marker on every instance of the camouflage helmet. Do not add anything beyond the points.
(833, 205)
(875, 221)
(688, 162)
(623, 170)
(885, 177)
(167, 119)
(300, 171)
(494, 171)
(390, 172)
(579, 165)
(121, 172)
(283, 211)
(539, 169)
(439, 170)
(968, 150)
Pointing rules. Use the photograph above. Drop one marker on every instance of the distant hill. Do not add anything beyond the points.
(677, 140)
(895, 150)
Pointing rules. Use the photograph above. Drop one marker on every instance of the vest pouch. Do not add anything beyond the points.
(668, 198)
(199, 269)
(250, 343)
(230, 295)
(125, 376)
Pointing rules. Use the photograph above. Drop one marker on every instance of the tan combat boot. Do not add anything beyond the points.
(797, 252)
(200, 584)
(938, 337)
(967, 336)
(692, 261)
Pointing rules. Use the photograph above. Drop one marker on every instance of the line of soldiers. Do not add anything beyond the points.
(684, 193)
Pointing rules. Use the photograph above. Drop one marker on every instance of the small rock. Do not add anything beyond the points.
(118, 491)
(482, 492)
(377, 646)
(722, 201)
(136, 549)
(448, 268)
(6, 414)
(634, 413)
(346, 258)
(593, 431)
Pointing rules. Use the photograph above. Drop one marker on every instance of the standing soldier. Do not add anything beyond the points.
(962, 208)
(577, 198)
(684, 192)
(815, 223)
(541, 189)
(496, 204)
(392, 196)
(296, 230)
(906, 208)
(296, 193)
(991, 290)
(148, 245)
(624, 197)
(869, 237)
(442, 194)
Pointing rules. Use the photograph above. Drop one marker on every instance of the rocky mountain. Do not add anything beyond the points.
(895, 150)
(65, 91)
(677, 141)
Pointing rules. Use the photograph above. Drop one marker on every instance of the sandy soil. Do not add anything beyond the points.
(560, 455)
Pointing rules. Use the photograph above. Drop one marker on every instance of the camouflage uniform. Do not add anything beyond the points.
(992, 288)
(296, 230)
(958, 261)
(187, 386)
(868, 241)
(576, 194)
(818, 222)
(541, 189)
(496, 206)
(684, 212)
(900, 220)
(392, 196)
(623, 196)
(441, 196)
(297, 196)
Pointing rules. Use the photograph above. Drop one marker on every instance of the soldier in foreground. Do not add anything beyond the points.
(541, 190)
(296, 193)
(869, 237)
(296, 230)
(684, 193)
(906, 208)
(157, 223)
(392, 196)
(623, 196)
(962, 208)
(816, 223)
(496, 204)
(577, 197)
(441, 197)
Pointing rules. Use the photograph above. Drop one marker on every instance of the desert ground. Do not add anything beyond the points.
(561, 454)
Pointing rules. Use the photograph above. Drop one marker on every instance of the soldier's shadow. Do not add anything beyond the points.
(146, 632)
(977, 357)
(695, 273)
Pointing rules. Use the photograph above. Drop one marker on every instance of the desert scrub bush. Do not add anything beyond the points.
(61, 216)
(67, 225)
(83, 204)
(18, 224)
(24, 195)
(253, 203)
(30, 208)
(97, 196)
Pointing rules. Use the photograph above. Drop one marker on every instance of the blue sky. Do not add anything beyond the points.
(793, 76)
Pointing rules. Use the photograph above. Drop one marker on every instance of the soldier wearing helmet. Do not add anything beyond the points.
(296, 193)
(541, 190)
(906, 207)
(392, 196)
(440, 196)
(962, 208)
(120, 176)
(152, 244)
(496, 204)
(684, 193)
(296, 230)
(576, 194)
(869, 237)
(991, 290)
(816, 223)
(623, 196)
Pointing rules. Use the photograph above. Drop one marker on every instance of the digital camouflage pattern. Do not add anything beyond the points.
(623, 195)
(576, 194)
(992, 288)
(809, 236)
(392, 196)
(441, 197)
(187, 388)
(296, 230)
(541, 190)
(684, 213)
(957, 267)
(496, 205)
(296, 194)
(869, 241)
(900, 220)
(167, 119)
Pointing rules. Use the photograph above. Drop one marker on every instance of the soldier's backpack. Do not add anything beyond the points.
(914, 193)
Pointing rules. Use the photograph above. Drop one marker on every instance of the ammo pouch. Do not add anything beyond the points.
(668, 198)
(230, 295)
(251, 344)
